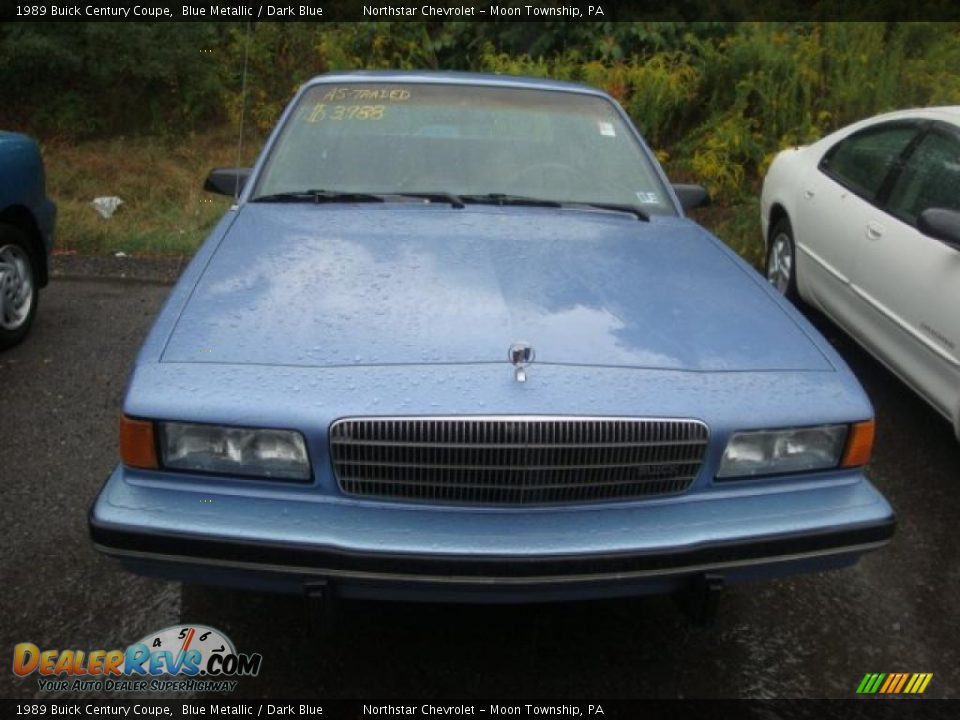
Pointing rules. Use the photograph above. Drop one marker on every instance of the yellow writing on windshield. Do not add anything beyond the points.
(322, 111)
(381, 94)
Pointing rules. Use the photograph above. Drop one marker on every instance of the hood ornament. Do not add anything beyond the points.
(521, 355)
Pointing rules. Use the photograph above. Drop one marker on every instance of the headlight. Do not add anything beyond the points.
(249, 452)
(768, 452)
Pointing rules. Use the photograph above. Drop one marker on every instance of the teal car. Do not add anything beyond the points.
(27, 220)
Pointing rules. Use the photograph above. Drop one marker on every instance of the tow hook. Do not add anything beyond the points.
(321, 605)
(700, 601)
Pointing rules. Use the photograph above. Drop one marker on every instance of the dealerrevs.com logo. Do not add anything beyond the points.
(203, 659)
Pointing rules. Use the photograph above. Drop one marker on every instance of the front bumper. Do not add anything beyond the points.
(272, 541)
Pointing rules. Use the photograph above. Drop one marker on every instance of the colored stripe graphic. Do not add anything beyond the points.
(894, 683)
(870, 683)
(892, 680)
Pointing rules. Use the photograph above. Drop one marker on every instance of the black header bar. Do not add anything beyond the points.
(503, 709)
(474, 11)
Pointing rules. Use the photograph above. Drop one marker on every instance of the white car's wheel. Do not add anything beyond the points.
(782, 260)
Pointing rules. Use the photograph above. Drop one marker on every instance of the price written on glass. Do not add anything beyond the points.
(346, 112)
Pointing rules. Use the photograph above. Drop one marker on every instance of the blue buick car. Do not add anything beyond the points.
(456, 340)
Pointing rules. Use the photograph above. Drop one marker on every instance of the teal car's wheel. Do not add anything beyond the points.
(18, 286)
(782, 261)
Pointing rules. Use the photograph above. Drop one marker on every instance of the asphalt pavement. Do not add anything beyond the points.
(810, 636)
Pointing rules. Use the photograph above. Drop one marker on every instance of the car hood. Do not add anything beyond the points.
(395, 284)
(7, 136)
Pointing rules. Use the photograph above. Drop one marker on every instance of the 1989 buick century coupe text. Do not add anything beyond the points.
(457, 340)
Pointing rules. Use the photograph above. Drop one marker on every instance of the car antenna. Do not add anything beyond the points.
(243, 107)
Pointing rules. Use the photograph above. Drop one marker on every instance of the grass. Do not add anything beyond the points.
(166, 212)
(738, 226)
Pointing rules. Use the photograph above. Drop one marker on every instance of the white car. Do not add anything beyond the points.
(865, 226)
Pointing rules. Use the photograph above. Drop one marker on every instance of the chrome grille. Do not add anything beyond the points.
(516, 460)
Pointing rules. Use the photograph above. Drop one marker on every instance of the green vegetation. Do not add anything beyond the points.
(143, 110)
(165, 210)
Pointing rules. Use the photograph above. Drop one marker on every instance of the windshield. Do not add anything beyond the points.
(464, 140)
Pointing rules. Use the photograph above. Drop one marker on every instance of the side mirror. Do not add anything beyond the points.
(692, 196)
(941, 224)
(227, 181)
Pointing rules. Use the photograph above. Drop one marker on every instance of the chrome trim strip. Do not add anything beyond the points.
(521, 418)
(824, 264)
(526, 488)
(854, 333)
(882, 309)
(490, 580)
(389, 443)
(904, 326)
(579, 466)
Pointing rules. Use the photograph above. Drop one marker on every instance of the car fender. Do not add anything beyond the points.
(778, 188)
(21, 178)
(23, 201)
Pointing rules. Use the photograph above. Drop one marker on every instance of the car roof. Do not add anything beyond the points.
(947, 113)
(449, 77)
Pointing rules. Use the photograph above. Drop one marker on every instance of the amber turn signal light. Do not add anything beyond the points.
(859, 444)
(138, 447)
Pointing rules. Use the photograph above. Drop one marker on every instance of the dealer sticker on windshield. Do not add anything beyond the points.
(606, 129)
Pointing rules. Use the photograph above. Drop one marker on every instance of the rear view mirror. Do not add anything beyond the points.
(941, 224)
(692, 196)
(227, 181)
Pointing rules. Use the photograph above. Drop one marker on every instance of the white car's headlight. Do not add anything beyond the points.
(250, 452)
(793, 450)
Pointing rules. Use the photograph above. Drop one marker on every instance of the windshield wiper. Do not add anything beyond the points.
(618, 207)
(445, 197)
(504, 199)
(457, 201)
(320, 196)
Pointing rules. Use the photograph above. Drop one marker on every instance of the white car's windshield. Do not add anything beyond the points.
(470, 141)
